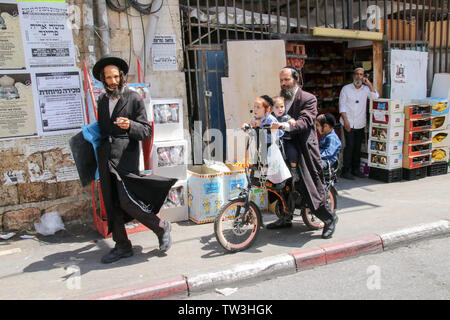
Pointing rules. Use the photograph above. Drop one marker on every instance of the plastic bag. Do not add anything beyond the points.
(50, 223)
(277, 169)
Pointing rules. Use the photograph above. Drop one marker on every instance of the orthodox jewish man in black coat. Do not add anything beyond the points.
(123, 123)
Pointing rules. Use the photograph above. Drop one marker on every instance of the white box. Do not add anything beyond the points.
(384, 119)
(388, 105)
(169, 159)
(439, 123)
(440, 154)
(385, 148)
(393, 161)
(205, 193)
(386, 133)
(232, 179)
(439, 106)
(440, 138)
(175, 208)
(168, 119)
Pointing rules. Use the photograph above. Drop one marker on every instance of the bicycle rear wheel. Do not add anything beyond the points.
(311, 221)
(237, 232)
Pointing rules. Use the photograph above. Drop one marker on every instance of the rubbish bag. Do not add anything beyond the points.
(277, 170)
(51, 222)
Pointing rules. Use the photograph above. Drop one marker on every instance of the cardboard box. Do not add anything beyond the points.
(175, 207)
(205, 193)
(232, 179)
(416, 161)
(440, 138)
(169, 159)
(410, 150)
(439, 106)
(385, 148)
(387, 105)
(417, 111)
(440, 123)
(168, 119)
(414, 137)
(386, 133)
(384, 119)
(418, 124)
(440, 154)
(385, 161)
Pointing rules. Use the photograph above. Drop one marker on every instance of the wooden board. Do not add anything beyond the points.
(403, 30)
(378, 66)
(437, 27)
(253, 70)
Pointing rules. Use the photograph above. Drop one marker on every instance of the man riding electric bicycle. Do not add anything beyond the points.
(302, 107)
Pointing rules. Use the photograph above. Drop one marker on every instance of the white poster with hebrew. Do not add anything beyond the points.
(11, 46)
(60, 101)
(48, 39)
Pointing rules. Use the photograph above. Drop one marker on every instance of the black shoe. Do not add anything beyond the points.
(117, 254)
(328, 229)
(347, 175)
(165, 241)
(358, 174)
(294, 173)
(279, 224)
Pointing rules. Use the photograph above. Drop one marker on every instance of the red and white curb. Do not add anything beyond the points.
(284, 264)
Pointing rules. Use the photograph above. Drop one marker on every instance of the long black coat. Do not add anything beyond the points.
(304, 111)
(118, 154)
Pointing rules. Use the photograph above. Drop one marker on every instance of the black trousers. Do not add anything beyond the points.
(322, 212)
(352, 150)
(150, 220)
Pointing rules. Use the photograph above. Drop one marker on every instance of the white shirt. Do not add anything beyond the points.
(112, 105)
(353, 102)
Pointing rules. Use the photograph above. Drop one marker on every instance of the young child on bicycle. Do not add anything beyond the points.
(329, 144)
(279, 111)
(262, 116)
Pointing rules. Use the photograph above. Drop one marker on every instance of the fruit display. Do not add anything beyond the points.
(439, 155)
(439, 137)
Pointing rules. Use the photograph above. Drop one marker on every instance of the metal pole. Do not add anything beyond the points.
(102, 22)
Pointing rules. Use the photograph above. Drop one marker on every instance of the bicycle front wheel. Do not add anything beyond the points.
(235, 228)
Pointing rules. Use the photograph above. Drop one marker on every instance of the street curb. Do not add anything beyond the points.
(343, 250)
(160, 290)
(271, 266)
(402, 237)
(288, 263)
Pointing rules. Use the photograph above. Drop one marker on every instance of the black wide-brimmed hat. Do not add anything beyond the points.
(106, 61)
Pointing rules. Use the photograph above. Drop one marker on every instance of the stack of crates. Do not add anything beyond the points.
(385, 140)
(417, 142)
(169, 155)
(440, 136)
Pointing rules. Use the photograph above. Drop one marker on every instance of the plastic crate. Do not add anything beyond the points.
(437, 168)
(414, 174)
(385, 175)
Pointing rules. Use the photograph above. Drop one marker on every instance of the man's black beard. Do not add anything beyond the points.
(116, 93)
(288, 94)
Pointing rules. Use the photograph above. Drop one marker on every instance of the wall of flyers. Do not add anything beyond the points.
(40, 87)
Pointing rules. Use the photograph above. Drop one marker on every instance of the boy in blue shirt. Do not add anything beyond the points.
(329, 145)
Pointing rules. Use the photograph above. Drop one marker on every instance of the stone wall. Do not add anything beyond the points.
(38, 175)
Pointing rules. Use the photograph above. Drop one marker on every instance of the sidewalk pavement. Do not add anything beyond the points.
(374, 216)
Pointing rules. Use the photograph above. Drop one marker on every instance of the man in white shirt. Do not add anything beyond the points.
(352, 107)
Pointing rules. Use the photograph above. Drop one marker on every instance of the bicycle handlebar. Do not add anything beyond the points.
(264, 127)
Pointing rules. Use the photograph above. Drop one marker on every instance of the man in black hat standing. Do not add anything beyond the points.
(122, 119)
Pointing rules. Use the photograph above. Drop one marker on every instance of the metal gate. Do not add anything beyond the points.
(206, 67)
